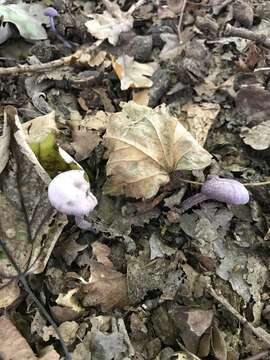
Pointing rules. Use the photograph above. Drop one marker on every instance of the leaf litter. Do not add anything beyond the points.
(145, 282)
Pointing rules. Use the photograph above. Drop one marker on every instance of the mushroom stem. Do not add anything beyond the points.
(52, 24)
(191, 201)
(83, 224)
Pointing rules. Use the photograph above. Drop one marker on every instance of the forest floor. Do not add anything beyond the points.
(149, 98)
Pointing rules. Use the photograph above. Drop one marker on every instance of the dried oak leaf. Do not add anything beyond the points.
(144, 146)
(132, 73)
(106, 287)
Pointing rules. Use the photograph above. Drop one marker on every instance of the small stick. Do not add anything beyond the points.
(180, 21)
(246, 34)
(26, 68)
(39, 304)
(248, 184)
(259, 332)
(259, 356)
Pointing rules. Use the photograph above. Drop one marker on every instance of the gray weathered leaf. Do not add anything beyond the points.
(29, 225)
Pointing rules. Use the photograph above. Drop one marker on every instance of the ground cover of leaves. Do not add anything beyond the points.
(140, 95)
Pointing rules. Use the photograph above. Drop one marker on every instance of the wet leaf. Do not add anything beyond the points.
(144, 147)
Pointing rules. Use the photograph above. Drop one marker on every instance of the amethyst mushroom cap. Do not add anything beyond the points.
(51, 12)
(69, 193)
(229, 191)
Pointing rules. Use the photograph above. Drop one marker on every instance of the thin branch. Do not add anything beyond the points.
(259, 356)
(246, 34)
(258, 331)
(248, 184)
(135, 6)
(39, 304)
(179, 26)
(26, 68)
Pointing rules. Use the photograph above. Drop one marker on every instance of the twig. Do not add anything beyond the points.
(26, 68)
(246, 34)
(259, 332)
(179, 26)
(260, 183)
(262, 69)
(248, 184)
(39, 304)
(259, 356)
(135, 6)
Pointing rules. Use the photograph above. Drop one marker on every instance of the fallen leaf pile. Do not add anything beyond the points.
(149, 98)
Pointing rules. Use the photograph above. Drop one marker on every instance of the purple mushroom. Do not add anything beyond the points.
(51, 12)
(229, 191)
(69, 193)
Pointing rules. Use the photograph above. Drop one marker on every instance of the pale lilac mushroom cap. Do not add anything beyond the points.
(51, 12)
(229, 191)
(69, 193)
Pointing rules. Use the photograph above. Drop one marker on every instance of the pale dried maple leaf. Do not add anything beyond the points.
(110, 24)
(144, 146)
(133, 74)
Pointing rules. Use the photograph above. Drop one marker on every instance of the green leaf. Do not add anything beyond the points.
(29, 26)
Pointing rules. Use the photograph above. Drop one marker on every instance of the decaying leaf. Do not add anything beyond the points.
(69, 300)
(28, 21)
(200, 118)
(28, 224)
(110, 24)
(258, 137)
(101, 253)
(218, 345)
(13, 345)
(133, 74)
(41, 135)
(192, 324)
(109, 339)
(144, 146)
(106, 287)
(158, 248)
(86, 133)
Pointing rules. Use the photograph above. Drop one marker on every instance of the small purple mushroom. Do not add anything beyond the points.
(69, 193)
(229, 191)
(51, 12)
